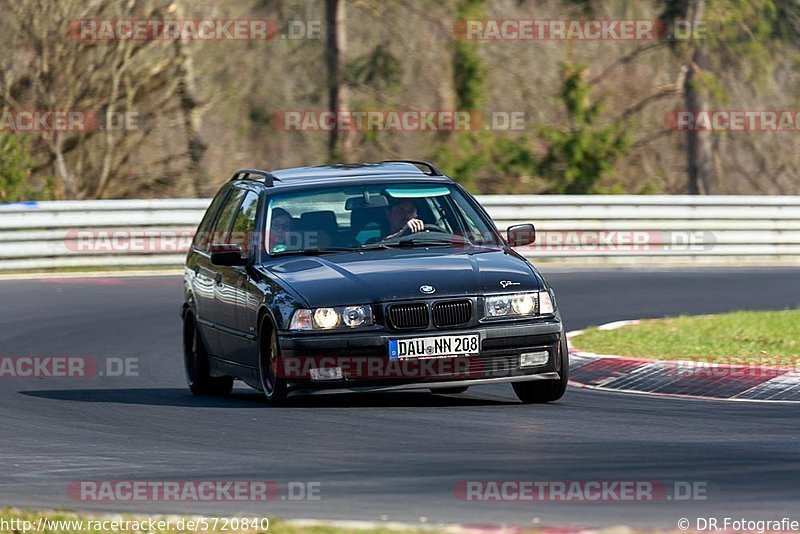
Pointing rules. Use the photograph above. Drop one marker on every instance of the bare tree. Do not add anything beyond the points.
(699, 143)
(339, 142)
(129, 86)
(190, 107)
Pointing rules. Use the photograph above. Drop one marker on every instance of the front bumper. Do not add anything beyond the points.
(363, 358)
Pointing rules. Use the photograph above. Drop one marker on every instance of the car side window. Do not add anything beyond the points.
(222, 228)
(244, 226)
(202, 237)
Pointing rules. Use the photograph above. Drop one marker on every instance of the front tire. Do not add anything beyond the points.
(539, 392)
(272, 385)
(195, 359)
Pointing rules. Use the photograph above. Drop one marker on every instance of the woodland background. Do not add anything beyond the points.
(594, 110)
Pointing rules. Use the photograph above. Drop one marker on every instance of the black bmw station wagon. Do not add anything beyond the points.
(364, 277)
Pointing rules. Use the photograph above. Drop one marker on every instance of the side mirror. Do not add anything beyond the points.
(520, 235)
(227, 255)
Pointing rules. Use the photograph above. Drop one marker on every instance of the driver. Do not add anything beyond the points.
(402, 217)
(279, 230)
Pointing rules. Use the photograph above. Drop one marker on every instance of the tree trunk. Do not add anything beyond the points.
(189, 103)
(339, 142)
(67, 180)
(699, 147)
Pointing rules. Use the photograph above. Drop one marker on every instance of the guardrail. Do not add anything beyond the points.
(572, 229)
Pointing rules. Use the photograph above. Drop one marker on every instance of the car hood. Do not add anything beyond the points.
(383, 275)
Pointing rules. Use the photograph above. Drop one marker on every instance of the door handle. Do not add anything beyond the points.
(218, 279)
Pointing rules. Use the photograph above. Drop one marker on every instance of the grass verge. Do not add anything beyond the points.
(737, 337)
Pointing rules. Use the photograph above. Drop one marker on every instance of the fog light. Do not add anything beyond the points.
(530, 359)
(326, 373)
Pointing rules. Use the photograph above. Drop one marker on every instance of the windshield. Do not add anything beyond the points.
(374, 216)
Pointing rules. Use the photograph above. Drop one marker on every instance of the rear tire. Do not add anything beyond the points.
(539, 392)
(450, 391)
(195, 359)
(274, 388)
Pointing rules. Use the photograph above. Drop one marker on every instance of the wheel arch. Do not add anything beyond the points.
(188, 305)
(265, 313)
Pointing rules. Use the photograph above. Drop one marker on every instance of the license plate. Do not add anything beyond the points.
(433, 347)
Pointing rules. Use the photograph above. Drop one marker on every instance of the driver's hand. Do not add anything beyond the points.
(413, 226)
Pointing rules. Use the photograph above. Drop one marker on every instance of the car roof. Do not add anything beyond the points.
(385, 171)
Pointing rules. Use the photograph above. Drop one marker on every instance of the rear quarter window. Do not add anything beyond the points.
(222, 228)
(202, 237)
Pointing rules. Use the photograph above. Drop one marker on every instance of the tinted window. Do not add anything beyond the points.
(244, 226)
(358, 215)
(201, 238)
(222, 229)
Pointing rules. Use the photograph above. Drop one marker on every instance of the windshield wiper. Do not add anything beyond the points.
(375, 246)
(314, 251)
(411, 242)
(404, 243)
(425, 243)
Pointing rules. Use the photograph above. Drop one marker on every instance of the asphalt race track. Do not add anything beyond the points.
(388, 456)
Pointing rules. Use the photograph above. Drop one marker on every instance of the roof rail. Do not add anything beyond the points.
(243, 174)
(432, 170)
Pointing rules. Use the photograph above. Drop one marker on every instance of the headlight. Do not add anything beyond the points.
(331, 318)
(325, 318)
(523, 304)
(354, 316)
(518, 305)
